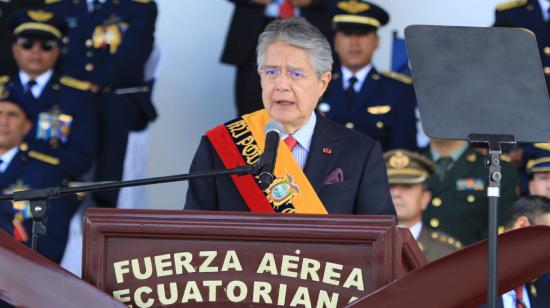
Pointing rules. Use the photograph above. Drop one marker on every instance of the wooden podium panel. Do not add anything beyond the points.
(152, 258)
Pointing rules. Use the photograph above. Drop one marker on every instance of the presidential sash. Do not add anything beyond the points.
(240, 142)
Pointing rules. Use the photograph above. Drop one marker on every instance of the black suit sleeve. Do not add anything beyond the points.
(202, 193)
(374, 196)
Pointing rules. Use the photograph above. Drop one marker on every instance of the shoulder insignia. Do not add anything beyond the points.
(44, 158)
(398, 76)
(75, 83)
(4, 78)
(446, 239)
(52, 1)
(144, 1)
(543, 146)
(511, 5)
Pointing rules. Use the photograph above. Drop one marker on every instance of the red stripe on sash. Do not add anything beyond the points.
(231, 158)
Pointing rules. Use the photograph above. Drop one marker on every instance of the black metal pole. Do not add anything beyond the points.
(493, 194)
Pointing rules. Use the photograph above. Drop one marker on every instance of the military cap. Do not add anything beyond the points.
(405, 167)
(37, 23)
(9, 94)
(537, 158)
(358, 14)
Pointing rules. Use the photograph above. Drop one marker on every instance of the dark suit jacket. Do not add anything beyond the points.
(365, 188)
(248, 22)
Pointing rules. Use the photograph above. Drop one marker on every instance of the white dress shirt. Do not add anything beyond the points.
(361, 75)
(41, 82)
(7, 157)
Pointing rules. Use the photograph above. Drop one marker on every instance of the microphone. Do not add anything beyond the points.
(266, 163)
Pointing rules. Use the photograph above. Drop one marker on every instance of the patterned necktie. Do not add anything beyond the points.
(28, 88)
(291, 142)
(286, 10)
(350, 91)
(519, 297)
(443, 164)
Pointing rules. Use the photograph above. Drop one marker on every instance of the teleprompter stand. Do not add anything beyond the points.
(482, 85)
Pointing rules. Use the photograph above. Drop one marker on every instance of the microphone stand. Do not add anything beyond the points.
(38, 198)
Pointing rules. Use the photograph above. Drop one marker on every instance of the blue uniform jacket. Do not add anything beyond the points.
(383, 109)
(76, 153)
(364, 189)
(528, 14)
(26, 172)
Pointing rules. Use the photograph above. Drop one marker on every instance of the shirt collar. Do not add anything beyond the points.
(305, 134)
(544, 6)
(416, 229)
(7, 158)
(455, 155)
(361, 75)
(41, 81)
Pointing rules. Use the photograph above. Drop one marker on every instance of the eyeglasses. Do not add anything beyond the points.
(272, 74)
(45, 45)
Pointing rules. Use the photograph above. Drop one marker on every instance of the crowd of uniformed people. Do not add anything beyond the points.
(72, 87)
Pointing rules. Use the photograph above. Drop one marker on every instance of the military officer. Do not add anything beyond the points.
(7, 64)
(108, 43)
(380, 105)
(408, 173)
(537, 158)
(532, 15)
(22, 169)
(459, 204)
(63, 107)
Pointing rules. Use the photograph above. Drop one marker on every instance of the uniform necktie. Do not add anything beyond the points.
(350, 91)
(286, 10)
(96, 6)
(291, 142)
(28, 90)
(443, 164)
(519, 297)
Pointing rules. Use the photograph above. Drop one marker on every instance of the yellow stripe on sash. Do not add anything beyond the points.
(306, 201)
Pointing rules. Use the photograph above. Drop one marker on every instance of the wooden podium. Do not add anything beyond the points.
(148, 258)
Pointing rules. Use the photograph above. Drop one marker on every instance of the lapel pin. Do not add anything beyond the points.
(327, 150)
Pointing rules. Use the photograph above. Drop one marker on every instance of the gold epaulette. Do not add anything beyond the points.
(144, 1)
(543, 146)
(4, 78)
(398, 76)
(511, 5)
(52, 1)
(75, 83)
(44, 158)
(446, 239)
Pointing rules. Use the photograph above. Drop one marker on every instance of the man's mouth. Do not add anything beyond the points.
(284, 102)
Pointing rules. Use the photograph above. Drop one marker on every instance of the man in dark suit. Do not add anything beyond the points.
(63, 107)
(528, 211)
(108, 43)
(22, 169)
(408, 174)
(532, 15)
(248, 21)
(321, 167)
(380, 105)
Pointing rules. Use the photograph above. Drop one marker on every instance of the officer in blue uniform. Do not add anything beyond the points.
(108, 43)
(532, 15)
(537, 160)
(63, 107)
(380, 105)
(23, 169)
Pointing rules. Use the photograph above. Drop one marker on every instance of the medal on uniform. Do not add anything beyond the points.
(54, 127)
(109, 34)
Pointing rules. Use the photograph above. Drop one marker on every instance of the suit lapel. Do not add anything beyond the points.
(319, 164)
(47, 98)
